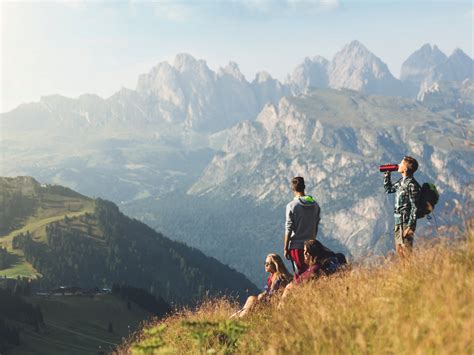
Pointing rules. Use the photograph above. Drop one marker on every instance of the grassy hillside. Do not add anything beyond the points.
(29, 206)
(79, 325)
(425, 306)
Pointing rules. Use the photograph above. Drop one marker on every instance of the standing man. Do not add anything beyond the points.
(406, 200)
(302, 220)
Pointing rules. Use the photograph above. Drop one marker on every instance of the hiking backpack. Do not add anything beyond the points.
(333, 264)
(334, 261)
(429, 197)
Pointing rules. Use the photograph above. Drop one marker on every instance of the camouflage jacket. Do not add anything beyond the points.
(406, 199)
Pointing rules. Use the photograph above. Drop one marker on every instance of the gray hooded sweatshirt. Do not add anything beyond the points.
(302, 220)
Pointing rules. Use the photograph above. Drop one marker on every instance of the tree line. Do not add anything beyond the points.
(16, 207)
(153, 304)
(13, 310)
(127, 252)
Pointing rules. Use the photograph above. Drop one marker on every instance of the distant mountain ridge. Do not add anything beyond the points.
(188, 93)
(356, 68)
(418, 65)
(353, 67)
(457, 68)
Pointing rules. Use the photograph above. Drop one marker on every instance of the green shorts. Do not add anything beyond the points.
(399, 240)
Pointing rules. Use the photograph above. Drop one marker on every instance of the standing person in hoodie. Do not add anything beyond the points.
(302, 220)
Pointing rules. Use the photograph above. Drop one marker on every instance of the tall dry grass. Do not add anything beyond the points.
(424, 306)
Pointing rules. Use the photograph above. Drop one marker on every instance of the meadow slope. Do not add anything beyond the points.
(424, 306)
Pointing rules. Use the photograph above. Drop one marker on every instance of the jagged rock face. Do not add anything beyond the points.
(467, 90)
(268, 89)
(450, 94)
(64, 116)
(356, 68)
(311, 74)
(336, 140)
(188, 96)
(455, 70)
(189, 92)
(127, 106)
(458, 67)
(236, 97)
(418, 65)
(184, 94)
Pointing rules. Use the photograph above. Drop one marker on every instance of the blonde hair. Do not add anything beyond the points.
(280, 268)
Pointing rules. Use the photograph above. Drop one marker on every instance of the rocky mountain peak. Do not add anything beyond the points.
(319, 59)
(316, 60)
(312, 73)
(457, 68)
(356, 68)
(418, 65)
(123, 93)
(356, 47)
(459, 54)
(262, 76)
(429, 48)
(56, 102)
(186, 62)
(232, 69)
(90, 98)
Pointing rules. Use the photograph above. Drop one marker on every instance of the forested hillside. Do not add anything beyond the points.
(15, 314)
(97, 245)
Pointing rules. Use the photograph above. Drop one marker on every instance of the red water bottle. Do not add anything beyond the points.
(388, 167)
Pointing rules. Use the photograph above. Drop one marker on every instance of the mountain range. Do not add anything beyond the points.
(206, 150)
(189, 94)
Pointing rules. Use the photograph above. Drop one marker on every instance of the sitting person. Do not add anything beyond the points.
(277, 280)
(320, 261)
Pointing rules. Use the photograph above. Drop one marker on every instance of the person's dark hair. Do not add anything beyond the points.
(412, 164)
(317, 251)
(297, 184)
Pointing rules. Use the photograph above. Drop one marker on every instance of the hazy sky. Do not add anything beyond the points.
(77, 47)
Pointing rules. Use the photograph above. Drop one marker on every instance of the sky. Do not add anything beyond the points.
(77, 47)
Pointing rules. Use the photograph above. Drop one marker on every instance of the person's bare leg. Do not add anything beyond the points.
(407, 251)
(287, 290)
(249, 304)
(400, 251)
